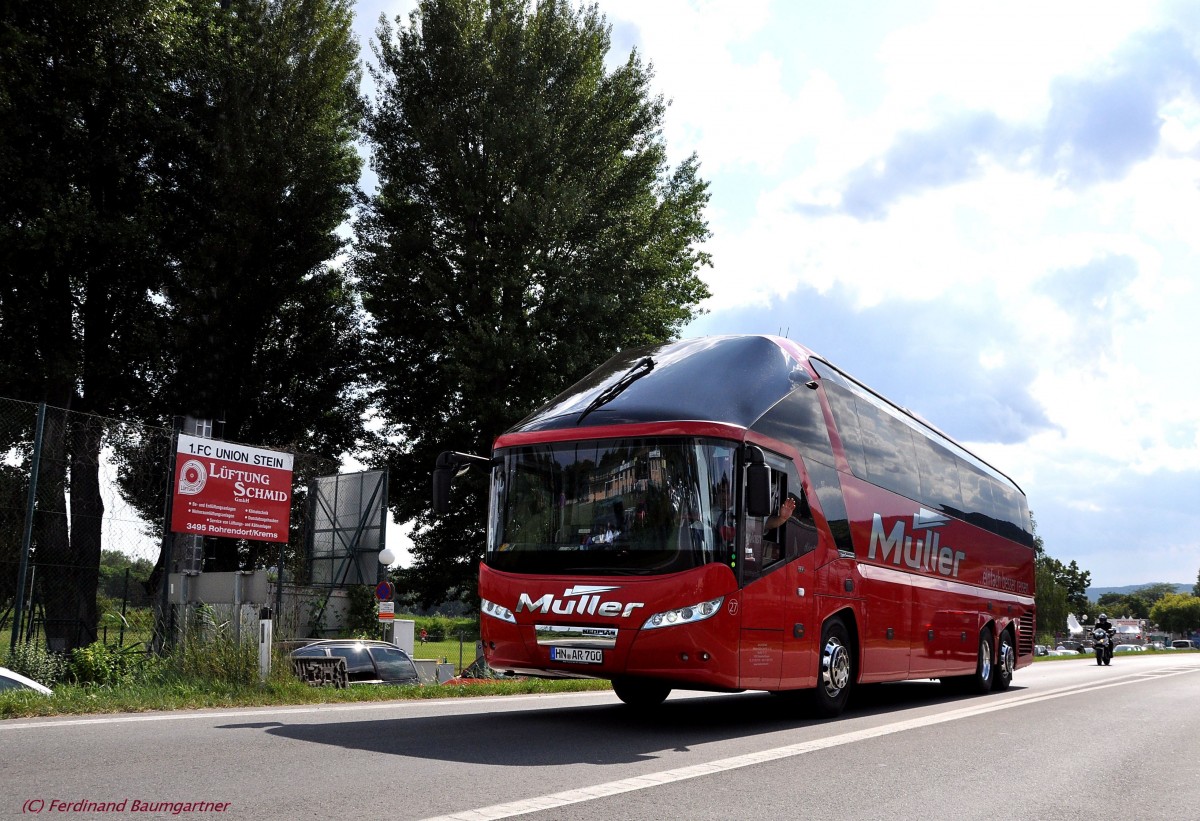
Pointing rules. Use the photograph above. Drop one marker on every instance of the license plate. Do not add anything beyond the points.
(577, 655)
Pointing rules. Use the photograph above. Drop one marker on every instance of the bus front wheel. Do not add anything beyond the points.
(985, 671)
(641, 693)
(836, 675)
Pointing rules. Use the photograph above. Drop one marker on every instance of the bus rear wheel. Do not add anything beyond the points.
(641, 693)
(836, 675)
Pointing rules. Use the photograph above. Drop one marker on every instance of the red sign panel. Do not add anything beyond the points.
(222, 489)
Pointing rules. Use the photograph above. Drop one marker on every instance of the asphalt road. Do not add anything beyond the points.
(1070, 740)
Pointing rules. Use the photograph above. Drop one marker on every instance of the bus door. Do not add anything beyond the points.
(800, 633)
(765, 583)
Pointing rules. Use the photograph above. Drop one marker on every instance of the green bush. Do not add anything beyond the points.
(102, 664)
(362, 617)
(36, 662)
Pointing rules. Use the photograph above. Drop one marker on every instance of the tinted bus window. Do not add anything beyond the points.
(888, 448)
(938, 471)
(828, 488)
(798, 420)
(845, 416)
(891, 449)
(977, 498)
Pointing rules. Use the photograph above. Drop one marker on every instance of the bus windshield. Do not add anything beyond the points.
(612, 506)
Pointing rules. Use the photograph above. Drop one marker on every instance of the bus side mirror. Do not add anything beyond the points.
(449, 464)
(758, 485)
(441, 490)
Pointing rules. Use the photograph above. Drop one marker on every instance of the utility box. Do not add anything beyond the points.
(403, 635)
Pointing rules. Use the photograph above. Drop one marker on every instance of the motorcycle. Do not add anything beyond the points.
(1103, 645)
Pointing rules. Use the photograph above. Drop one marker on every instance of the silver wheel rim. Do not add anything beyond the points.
(835, 667)
(985, 660)
(1008, 658)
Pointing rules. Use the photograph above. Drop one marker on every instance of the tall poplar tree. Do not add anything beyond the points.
(527, 226)
(81, 87)
(173, 175)
(266, 331)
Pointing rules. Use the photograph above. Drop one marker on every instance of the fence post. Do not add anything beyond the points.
(27, 537)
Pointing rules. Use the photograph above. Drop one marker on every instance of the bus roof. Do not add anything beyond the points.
(732, 380)
(728, 379)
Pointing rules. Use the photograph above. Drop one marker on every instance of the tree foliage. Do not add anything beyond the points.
(1177, 612)
(1121, 605)
(1073, 581)
(81, 88)
(172, 178)
(266, 337)
(527, 226)
(1061, 589)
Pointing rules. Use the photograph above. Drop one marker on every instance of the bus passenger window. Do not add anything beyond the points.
(776, 526)
(801, 535)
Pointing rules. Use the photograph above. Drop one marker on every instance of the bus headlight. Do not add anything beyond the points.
(496, 611)
(685, 615)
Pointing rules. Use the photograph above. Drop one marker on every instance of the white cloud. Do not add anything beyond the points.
(1004, 215)
(1083, 285)
(999, 57)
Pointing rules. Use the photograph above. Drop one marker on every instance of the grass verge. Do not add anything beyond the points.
(73, 699)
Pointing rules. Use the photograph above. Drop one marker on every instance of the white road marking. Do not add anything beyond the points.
(642, 782)
(263, 712)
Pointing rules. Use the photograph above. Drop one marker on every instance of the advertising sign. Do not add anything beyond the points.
(223, 489)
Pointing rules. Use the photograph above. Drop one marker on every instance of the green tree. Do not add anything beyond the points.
(1196, 587)
(82, 84)
(1060, 589)
(266, 338)
(1051, 601)
(526, 227)
(172, 180)
(1151, 593)
(1177, 612)
(124, 578)
(1073, 581)
(1120, 605)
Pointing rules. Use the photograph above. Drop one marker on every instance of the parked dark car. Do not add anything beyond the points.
(367, 661)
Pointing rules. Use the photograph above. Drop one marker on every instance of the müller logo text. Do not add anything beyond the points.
(927, 554)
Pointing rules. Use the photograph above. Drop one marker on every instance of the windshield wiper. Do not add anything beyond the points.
(643, 367)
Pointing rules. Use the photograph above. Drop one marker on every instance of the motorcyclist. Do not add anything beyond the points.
(1104, 624)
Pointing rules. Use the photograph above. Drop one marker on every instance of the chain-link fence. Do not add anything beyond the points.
(84, 556)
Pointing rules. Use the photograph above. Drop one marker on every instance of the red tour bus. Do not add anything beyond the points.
(735, 513)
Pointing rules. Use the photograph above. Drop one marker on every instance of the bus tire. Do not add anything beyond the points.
(1006, 663)
(641, 693)
(985, 670)
(835, 678)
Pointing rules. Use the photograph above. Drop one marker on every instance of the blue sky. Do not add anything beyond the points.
(987, 212)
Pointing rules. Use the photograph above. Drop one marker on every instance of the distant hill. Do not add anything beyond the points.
(1094, 593)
